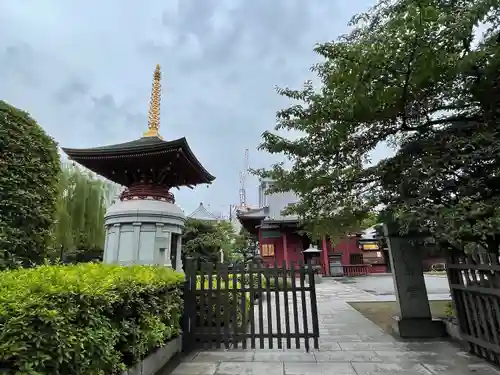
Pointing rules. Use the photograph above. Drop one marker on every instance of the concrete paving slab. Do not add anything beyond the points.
(319, 369)
(349, 344)
(390, 369)
(220, 356)
(345, 356)
(264, 356)
(250, 368)
(195, 368)
(467, 369)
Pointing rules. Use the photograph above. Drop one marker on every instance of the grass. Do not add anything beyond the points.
(381, 313)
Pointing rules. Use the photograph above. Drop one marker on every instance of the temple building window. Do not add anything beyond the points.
(356, 258)
(268, 250)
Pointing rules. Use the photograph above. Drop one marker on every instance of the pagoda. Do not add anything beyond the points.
(144, 225)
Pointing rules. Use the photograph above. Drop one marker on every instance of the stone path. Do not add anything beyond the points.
(349, 344)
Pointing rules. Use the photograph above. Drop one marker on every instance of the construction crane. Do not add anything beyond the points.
(243, 178)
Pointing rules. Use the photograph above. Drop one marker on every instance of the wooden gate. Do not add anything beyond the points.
(250, 306)
(475, 287)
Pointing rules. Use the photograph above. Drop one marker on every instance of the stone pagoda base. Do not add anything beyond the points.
(144, 231)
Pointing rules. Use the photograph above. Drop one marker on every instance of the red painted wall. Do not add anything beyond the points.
(294, 245)
(295, 248)
(347, 247)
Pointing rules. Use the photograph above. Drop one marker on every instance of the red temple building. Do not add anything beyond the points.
(279, 239)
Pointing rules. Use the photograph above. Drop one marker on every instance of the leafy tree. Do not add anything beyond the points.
(79, 232)
(245, 246)
(203, 240)
(29, 170)
(407, 75)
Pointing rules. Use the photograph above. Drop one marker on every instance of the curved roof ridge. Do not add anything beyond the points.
(201, 213)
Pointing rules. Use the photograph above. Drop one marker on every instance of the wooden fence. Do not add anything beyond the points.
(353, 270)
(475, 288)
(262, 305)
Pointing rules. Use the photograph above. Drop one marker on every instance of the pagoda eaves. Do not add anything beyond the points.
(148, 160)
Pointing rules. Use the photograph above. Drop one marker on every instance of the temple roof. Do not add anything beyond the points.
(201, 213)
(116, 162)
(256, 213)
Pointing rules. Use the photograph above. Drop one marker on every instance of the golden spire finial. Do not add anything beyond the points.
(154, 106)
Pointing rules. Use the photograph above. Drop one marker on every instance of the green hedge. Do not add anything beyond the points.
(86, 318)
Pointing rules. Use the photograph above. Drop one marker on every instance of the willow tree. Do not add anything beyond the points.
(414, 75)
(83, 199)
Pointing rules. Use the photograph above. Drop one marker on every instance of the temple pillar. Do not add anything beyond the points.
(140, 231)
(285, 248)
(415, 320)
(324, 257)
(260, 241)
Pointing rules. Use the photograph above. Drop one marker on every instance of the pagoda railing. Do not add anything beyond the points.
(145, 191)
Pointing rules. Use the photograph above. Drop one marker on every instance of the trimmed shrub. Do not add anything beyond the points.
(29, 173)
(86, 318)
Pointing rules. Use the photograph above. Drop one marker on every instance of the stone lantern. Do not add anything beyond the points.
(312, 259)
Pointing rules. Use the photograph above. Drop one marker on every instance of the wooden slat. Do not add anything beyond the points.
(304, 306)
(235, 303)
(218, 306)
(278, 305)
(251, 313)
(476, 267)
(268, 307)
(219, 302)
(203, 306)
(475, 289)
(210, 298)
(226, 318)
(287, 307)
(261, 313)
(295, 307)
(314, 309)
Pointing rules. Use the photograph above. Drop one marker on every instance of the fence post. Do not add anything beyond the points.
(457, 302)
(189, 315)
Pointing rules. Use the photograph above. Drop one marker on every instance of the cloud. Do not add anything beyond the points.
(84, 70)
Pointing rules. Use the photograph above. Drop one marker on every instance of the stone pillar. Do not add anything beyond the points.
(415, 320)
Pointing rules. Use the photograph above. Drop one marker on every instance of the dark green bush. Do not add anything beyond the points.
(29, 173)
(86, 318)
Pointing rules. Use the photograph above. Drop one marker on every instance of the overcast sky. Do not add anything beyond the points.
(84, 70)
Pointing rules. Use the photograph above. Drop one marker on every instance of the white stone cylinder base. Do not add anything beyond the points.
(144, 231)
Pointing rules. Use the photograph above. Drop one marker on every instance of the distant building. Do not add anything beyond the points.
(280, 240)
(201, 213)
(278, 234)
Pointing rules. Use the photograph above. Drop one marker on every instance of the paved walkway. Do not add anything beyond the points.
(350, 344)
